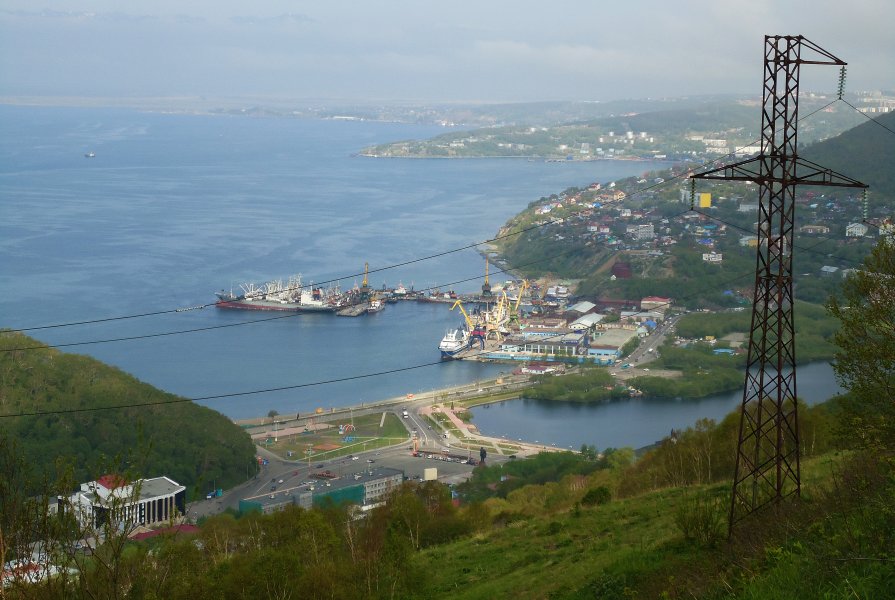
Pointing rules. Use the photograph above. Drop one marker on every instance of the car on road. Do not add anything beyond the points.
(320, 466)
(280, 481)
(354, 457)
(370, 460)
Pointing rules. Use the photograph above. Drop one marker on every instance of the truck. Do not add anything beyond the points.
(405, 414)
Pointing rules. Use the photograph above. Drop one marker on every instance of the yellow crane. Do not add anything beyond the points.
(469, 323)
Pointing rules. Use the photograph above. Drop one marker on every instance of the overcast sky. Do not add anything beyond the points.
(418, 50)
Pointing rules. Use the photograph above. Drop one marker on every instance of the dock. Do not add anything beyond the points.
(355, 310)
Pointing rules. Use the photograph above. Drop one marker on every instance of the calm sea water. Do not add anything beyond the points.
(174, 207)
(636, 422)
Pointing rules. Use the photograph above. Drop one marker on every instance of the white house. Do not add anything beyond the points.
(856, 230)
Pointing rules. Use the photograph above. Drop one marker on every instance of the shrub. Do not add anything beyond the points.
(701, 519)
(595, 496)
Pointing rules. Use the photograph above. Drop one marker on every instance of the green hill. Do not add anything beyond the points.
(865, 153)
(193, 445)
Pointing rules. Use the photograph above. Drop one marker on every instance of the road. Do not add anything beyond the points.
(399, 456)
(292, 473)
(643, 354)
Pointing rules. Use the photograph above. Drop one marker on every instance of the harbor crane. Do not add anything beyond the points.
(514, 311)
(475, 330)
(486, 287)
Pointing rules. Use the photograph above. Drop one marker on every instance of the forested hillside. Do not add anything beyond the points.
(40, 389)
(865, 153)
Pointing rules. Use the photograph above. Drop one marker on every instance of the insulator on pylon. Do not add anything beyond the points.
(864, 204)
(841, 81)
(692, 193)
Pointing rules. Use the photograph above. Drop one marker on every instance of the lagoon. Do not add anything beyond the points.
(634, 422)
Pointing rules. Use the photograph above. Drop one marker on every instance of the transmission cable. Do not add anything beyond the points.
(181, 400)
(634, 193)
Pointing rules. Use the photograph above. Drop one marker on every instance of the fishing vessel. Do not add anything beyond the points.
(277, 295)
(454, 342)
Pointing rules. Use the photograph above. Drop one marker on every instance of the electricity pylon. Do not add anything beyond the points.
(767, 462)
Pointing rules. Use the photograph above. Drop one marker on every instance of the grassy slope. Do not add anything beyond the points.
(631, 544)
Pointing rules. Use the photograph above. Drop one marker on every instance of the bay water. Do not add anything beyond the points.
(174, 207)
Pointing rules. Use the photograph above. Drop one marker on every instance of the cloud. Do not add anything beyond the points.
(404, 49)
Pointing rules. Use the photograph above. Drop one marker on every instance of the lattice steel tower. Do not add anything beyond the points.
(767, 463)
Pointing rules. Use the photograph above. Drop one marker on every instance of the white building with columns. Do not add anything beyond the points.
(143, 502)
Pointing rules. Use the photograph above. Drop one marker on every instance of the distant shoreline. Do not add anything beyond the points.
(518, 157)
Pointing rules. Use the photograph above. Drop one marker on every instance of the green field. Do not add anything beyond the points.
(358, 435)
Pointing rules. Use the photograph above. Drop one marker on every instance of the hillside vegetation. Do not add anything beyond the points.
(865, 153)
(191, 444)
(565, 525)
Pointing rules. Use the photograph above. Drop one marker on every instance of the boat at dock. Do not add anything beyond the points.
(288, 296)
(454, 342)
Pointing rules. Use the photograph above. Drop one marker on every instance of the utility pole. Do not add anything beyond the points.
(767, 462)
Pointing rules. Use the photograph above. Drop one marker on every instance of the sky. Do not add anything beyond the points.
(425, 51)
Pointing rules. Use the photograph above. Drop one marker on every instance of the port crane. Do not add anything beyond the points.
(486, 287)
(475, 331)
(514, 311)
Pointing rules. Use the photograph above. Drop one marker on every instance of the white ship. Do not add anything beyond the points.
(454, 342)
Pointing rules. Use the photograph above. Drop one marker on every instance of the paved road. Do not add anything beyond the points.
(292, 473)
(432, 441)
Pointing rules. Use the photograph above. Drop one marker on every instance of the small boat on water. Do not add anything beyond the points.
(90, 154)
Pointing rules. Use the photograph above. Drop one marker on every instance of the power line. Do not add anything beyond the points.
(392, 266)
(871, 119)
(803, 249)
(299, 385)
(277, 317)
(266, 319)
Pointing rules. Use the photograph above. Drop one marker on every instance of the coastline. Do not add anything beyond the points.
(550, 159)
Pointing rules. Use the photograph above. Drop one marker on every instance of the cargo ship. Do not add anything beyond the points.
(289, 296)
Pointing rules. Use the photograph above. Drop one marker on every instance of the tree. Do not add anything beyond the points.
(865, 363)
